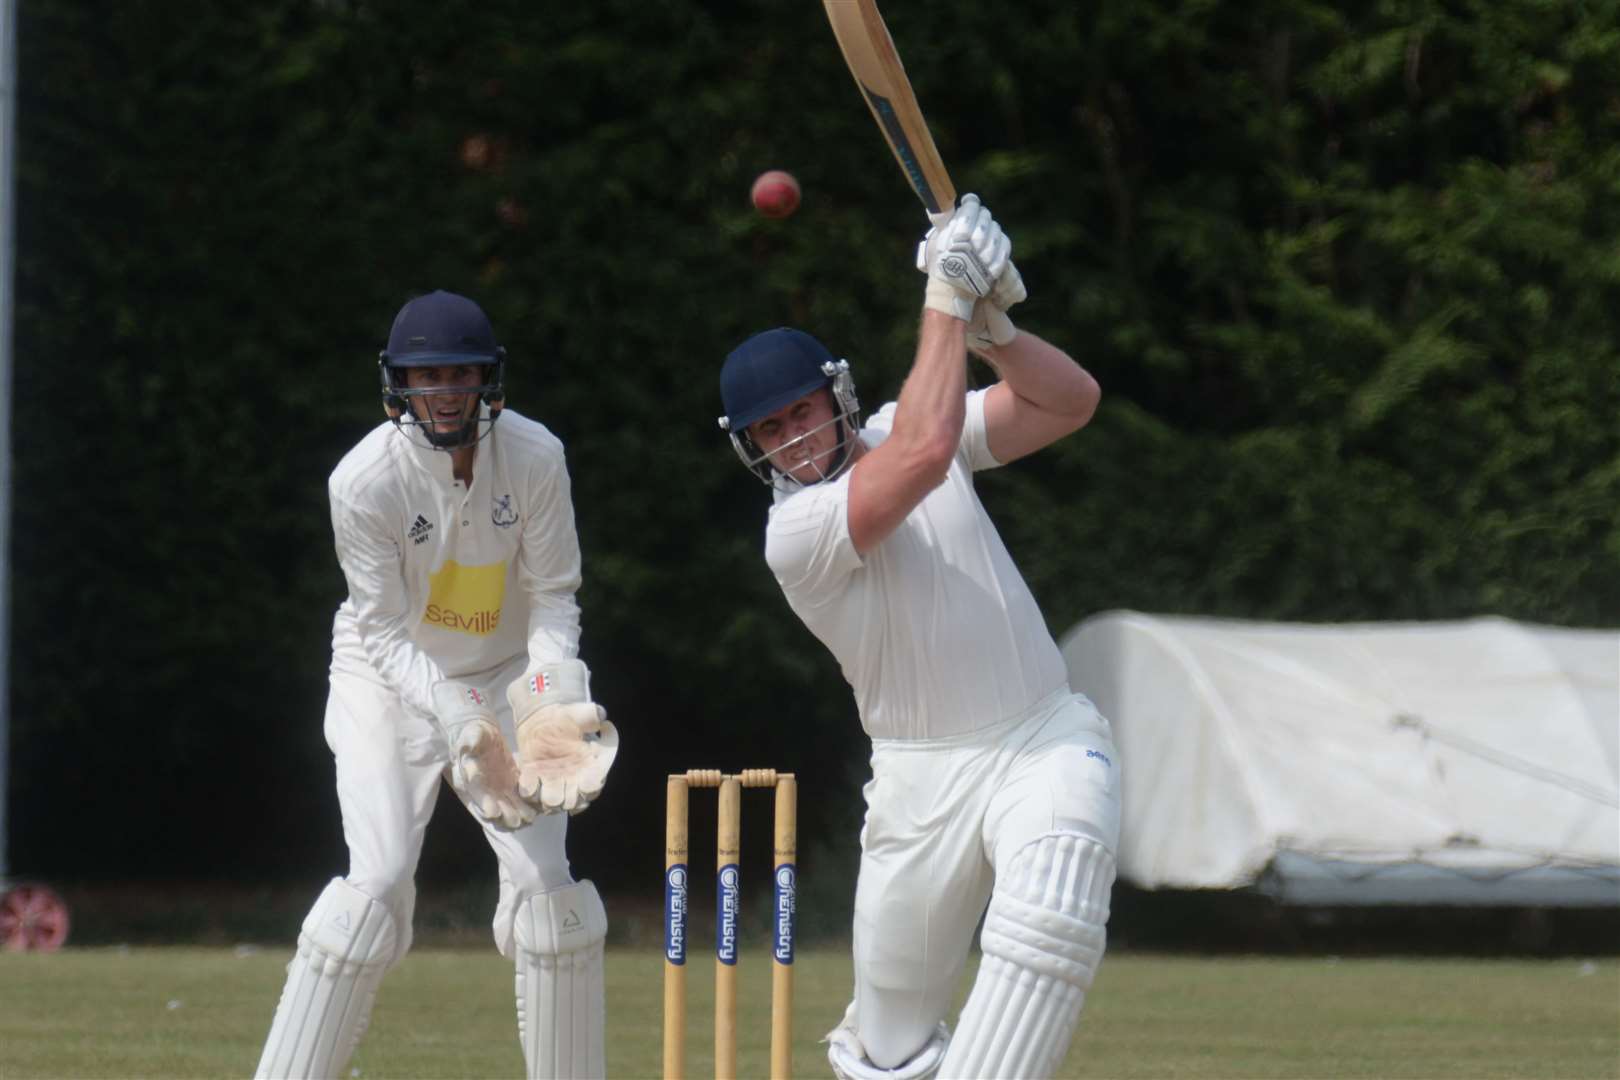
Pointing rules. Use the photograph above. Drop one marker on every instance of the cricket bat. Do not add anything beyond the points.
(869, 51)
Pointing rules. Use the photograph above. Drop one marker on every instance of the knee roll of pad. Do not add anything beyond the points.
(561, 921)
(1045, 942)
(348, 929)
(1050, 912)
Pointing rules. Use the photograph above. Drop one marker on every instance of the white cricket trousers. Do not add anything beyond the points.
(943, 817)
(389, 766)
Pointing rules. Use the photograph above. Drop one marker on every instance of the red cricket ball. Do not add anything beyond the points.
(775, 193)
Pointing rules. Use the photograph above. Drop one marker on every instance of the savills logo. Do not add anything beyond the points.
(477, 623)
(466, 599)
(420, 529)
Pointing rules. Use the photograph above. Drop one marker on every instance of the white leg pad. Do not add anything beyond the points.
(1044, 936)
(347, 944)
(848, 1057)
(560, 995)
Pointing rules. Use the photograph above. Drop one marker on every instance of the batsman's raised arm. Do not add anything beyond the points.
(1043, 395)
(963, 256)
(889, 481)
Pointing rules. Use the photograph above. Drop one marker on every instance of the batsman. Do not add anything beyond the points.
(455, 655)
(995, 786)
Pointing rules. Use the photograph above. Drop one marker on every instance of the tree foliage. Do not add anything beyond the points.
(1348, 274)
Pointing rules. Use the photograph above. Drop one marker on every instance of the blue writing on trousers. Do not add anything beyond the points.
(1100, 756)
(727, 903)
(675, 914)
(787, 902)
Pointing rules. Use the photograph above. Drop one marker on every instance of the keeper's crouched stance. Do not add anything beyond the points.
(454, 658)
(995, 787)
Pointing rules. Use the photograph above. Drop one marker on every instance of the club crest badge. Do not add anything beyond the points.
(502, 514)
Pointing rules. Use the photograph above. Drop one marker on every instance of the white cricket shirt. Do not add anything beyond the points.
(935, 629)
(451, 581)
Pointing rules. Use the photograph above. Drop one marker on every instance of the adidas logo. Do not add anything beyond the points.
(420, 529)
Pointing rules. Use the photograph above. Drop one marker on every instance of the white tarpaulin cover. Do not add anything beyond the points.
(1473, 762)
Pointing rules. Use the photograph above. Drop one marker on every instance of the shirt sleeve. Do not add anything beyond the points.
(807, 543)
(974, 449)
(549, 562)
(368, 551)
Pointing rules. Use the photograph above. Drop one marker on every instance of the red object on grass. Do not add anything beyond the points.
(32, 919)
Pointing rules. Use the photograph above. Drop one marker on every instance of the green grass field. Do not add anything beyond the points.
(193, 1012)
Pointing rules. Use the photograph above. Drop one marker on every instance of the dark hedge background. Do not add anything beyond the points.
(1348, 274)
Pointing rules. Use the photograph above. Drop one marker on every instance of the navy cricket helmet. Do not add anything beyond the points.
(771, 370)
(442, 329)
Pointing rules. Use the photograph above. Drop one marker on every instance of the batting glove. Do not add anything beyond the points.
(482, 769)
(990, 324)
(963, 257)
(1009, 287)
(989, 327)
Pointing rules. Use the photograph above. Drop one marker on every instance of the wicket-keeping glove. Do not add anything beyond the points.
(482, 769)
(565, 743)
